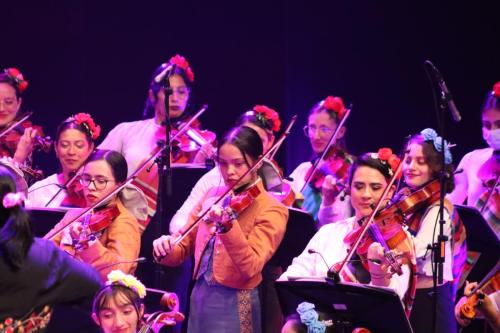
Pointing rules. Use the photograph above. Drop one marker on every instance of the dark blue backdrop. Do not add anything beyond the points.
(97, 57)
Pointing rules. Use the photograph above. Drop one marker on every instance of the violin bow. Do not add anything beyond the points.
(227, 191)
(331, 141)
(490, 193)
(65, 186)
(14, 125)
(187, 125)
(371, 218)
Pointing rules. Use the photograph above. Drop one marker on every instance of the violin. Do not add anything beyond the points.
(272, 176)
(228, 191)
(336, 163)
(74, 193)
(236, 204)
(387, 228)
(95, 223)
(489, 285)
(10, 137)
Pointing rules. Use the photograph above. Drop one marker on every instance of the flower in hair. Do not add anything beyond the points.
(386, 157)
(336, 104)
(18, 78)
(309, 317)
(13, 199)
(181, 62)
(117, 277)
(88, 123)
(496, 90)
(430, 135)
(268, 116)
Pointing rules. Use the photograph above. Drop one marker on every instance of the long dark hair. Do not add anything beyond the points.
(246, 139)
(16, 235)
(115, 160)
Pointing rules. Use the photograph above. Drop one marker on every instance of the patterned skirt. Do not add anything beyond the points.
(215, 308)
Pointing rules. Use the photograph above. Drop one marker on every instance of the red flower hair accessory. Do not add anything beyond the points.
(336, 104)
(386, 156)
(496, 90)
(268, 116)
(88, 123)
(181, 62)
(18, 78)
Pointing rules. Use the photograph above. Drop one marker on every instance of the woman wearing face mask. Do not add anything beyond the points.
(481, 167)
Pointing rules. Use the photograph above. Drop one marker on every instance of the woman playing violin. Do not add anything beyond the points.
(321, 194)
(266, 122)
(12, 86)
(110, 238)
(136, 140)
(368, 177)
(476, 185)
(74, 143)
(230, 245)
(423, 165)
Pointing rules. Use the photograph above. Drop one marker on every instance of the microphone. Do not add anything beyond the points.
(444, 90)
(158, 78)
(330, 273)
(138, 260)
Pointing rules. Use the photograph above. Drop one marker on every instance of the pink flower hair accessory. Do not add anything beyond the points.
(13, 199)
(181, 62)
(17, 77)
(88, 123)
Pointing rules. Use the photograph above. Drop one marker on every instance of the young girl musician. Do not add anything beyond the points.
(321, 194)
(421, 171)
(109, 238)
(230, 244)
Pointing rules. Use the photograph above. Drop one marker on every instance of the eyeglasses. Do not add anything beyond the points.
(99, 183)
(310, 130)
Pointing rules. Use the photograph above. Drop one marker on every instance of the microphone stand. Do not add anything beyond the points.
(164, 173)
(438, 247)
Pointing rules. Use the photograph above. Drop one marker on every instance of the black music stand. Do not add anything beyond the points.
(480, 238)
(349, 305)
(299, 231)
(44, 219)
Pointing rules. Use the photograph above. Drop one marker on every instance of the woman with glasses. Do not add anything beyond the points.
(323, 195)
(110, 238)
(75, 140)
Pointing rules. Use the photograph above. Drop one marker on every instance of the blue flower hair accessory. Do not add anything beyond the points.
(430, 135)
(309, 317)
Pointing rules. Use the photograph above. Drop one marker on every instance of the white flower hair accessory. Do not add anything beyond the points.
(430, 135)
(117, 277)
(13, 199)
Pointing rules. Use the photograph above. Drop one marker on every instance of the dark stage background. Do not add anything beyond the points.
(97, 57)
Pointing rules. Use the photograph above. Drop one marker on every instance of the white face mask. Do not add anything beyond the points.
(492, 138)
